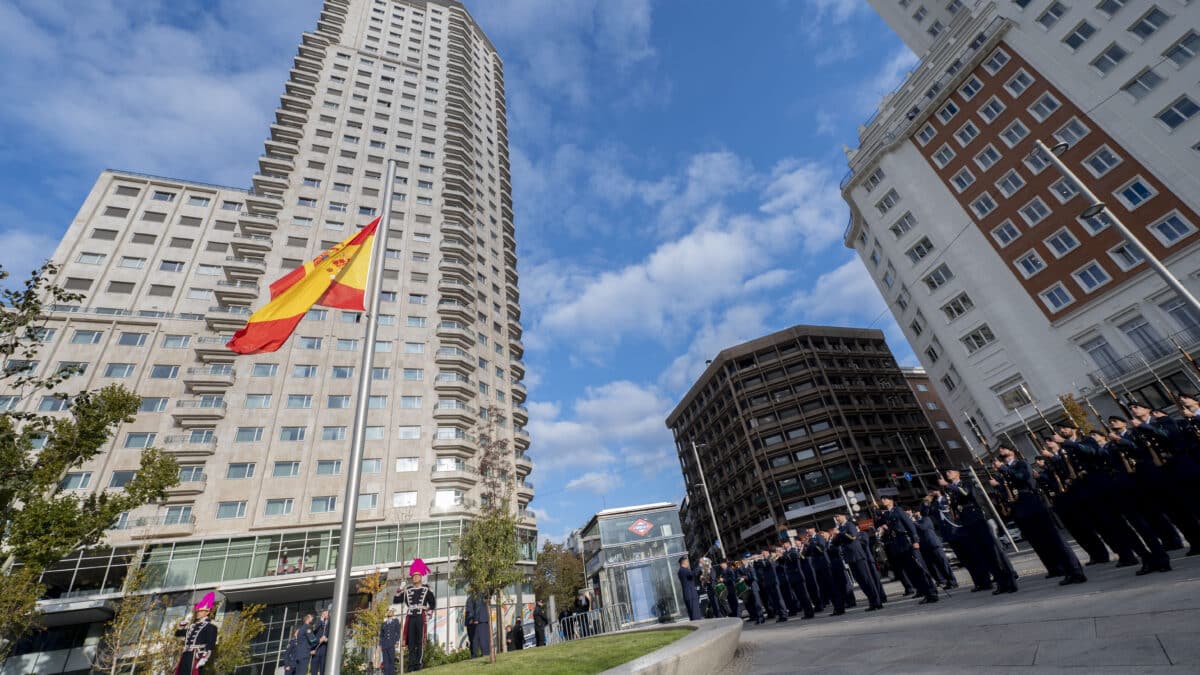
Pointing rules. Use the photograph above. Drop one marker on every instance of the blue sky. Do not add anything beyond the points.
(675, 171)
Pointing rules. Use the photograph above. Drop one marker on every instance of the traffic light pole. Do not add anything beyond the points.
(851, 506)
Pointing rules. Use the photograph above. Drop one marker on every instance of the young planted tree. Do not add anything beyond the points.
(237, 631)
(131, 624)
(488, 550)
(364, 632)
(42, 523)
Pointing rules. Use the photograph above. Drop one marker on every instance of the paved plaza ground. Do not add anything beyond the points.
(1115, 623)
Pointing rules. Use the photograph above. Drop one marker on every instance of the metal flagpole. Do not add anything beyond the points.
(711, 514)
(341, 582)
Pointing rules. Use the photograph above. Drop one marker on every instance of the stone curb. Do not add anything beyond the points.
(708, 649)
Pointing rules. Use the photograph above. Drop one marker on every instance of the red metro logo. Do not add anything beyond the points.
(641, 527)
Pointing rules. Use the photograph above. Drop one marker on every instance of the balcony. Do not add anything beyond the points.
(521, 440)
(516, 347)
(269, 180)
(250, 266)
(216, 377)
(455, 357)
(250, 243)
(159, 526)
(198, 412)
(524, 463)
(188, 445)
(258, 200)
(456, 332)
(454, 410)
(525, 490)
(1144, 360)
(455, 309)
(226, 317)
(464, 476)
(453, 288)
(518, 392)
(454, 383)
(212, 348)
(463, 507)
(280, 163)
(189, 488)
(236, 290)
(460, 445)
(520, 415)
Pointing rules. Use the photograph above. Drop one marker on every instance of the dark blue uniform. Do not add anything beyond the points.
(768, 588)
(1097, 490)
(899, 538)
(754, 603)
(818, 553)
(729, 577)
(295, 658)
(691, 598)
(478, 623)
(389, 637)
(978, 538)
(857, 559)
(795, 578)
(933, 553)
(1037, 526)
(320, 628)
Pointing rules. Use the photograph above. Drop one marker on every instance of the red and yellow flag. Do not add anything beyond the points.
(336, 278)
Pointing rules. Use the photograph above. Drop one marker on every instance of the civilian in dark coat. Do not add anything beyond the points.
(516, 636)
(478, 623)
(691, 598)
(540, 621)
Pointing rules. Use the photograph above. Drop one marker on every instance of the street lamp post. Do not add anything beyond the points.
(1096, 207)
(708, 500)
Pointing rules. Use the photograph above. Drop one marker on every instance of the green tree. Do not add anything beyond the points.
(488, 550)
(364, 631)
(42, 523)
(559, 574)
(235, 633)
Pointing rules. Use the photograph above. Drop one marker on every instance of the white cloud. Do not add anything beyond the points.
(23, 251)
(844, 295)
(596, 482)
(867, 94)
(738, 324)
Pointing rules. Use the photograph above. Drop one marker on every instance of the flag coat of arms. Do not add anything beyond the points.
(336, 278)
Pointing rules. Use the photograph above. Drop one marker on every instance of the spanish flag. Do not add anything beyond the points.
(336, 278)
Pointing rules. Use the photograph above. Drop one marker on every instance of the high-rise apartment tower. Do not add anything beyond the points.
(1008, 295)
(170, 268)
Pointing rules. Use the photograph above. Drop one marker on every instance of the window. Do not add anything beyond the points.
(54, 404)
(1101, 161)
(409, 432)
(1126, 256)
(76, 480)
(86, 258)
(372, 465)
(1005, 233)
(983, 205)
(1109, 58)
(118, 287)
(960, 305)
(1053, 13)
(970, 88)
(919, 250)
(920, 14)
(1142, 84)
(1172, 228)
(889, 200)
(950, 380)
(1149, 23)
(1056, 297)
(333, 433)
(904, 224)
(377, 401)
(343, 372)
(1147, 339)
(1102, 353)
(1185, 50)
(248, 434)
(118, 370)
(934, 350)
(1182, 313)
(947, 112)
(86, 337)
(228, 510)
(1064, 189)
(1079, 35)
(404, 499)
(279, 507)
(1043, 107)
(873, 180)
(337, 401)
(996, 61)
(151, 404)
(992, 109)
(963, 179)
(1062, 243)
(285, 470)
(264, 370)
(303, 342)
(987, 158)
(938, 277)
(966, 134)
(176, 341)
(323, 504)
(299, 401)
(978, 339)
(164, 372)
(1182, 110)
(1030, 264)
(1091, 276)
(414, 374)
(1110, 7)
(257, 401)
(291, 434)
(1035, 211)
(132, 263)
(926, 134)
(329, 467)
(943, 156)
(1037, 161)
(240, 470)
(1096, 223)
(1072, 131)
(304, 371)
(1135, 193)
(1010, 183)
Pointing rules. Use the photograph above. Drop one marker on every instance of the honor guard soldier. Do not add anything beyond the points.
(857, 559)
(320, 632)
(419, 603)
(818, 553)
(933, 553)
(1032, 516)
(199, 637)
(901, 538)
(389, 637)
(978, 538)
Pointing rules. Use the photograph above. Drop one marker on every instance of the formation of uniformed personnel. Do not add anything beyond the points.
(419, 602)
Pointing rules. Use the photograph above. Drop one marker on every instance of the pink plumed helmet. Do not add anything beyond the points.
(207, 602)
(418, 566)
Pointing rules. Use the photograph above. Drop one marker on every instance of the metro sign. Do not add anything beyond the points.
(641, 527)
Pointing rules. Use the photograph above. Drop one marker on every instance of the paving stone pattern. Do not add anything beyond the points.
(1115, 623)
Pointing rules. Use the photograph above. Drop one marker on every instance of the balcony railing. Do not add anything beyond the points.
(156, 521)
(200, 403)
(1136, 361)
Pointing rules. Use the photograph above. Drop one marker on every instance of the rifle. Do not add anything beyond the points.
(1187, 357)
(1008, 495)
(1125, 461)
(1038, 410)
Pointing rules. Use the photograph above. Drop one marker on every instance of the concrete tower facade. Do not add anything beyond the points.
(170, 268)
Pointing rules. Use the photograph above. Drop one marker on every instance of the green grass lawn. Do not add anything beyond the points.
(580, 657)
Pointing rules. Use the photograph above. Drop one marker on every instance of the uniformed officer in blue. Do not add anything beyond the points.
(320, 630)
(389, 637)
(901, 538)
(978, 538)
(691, 597)
(857, 560)
(817, 552)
